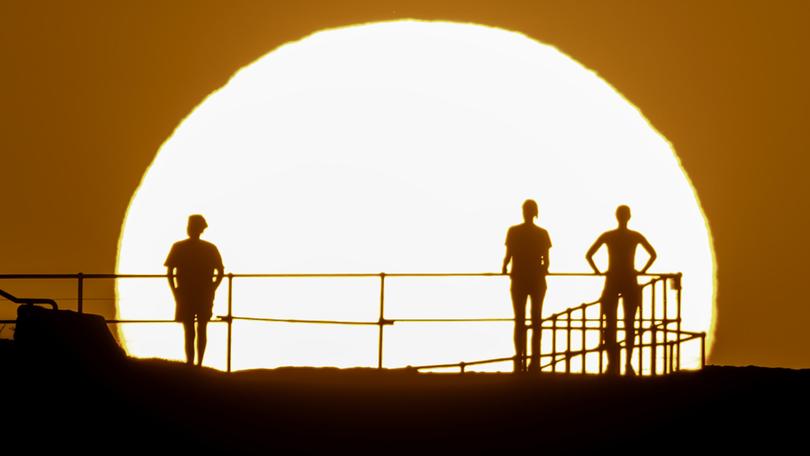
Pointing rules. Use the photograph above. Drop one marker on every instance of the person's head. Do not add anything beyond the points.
(623, 215)
(529, 210)
(196, 225)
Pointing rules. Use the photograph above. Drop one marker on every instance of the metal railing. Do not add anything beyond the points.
(656, 328)
(663, 333)
(28, 301)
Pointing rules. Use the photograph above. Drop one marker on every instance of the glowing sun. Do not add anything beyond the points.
(401, 147)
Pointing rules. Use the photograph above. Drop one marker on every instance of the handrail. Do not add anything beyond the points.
(290, 320)
(462, 364)
(586, 305)
(319, 275)
(28, 301)
(690, 335)
(567, 321)
(554, 319)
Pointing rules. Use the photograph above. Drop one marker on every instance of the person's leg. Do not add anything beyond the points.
(188, 332)
(610, 302)
(536, 313)
(202, 339)
(631, 299)
(519, 304)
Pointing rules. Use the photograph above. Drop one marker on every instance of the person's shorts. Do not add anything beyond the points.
(627, 287)
(528, 286)
(189, 306)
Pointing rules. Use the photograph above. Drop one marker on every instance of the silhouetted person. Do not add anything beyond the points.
(621, 281)
(195, 271)
(527, 248)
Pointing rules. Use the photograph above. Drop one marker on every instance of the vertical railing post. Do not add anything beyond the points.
(601, 338)
(525, 360)
(230, 320)
(381, 322)
(665, 319)
(640, 332)
(654, 332)
(80, 292)
(702, 351)
(678, 285)
(554, 343)
(584, 341)
(568, 342)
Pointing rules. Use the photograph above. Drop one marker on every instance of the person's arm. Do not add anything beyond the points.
(546, 257)
(506, 259)
(650, 251)
(592, 251)
(170, 264)
(220, 270)
(220, 274)
(170, 276)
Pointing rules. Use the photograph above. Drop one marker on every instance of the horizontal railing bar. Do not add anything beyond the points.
(117, 322)
(560, 322)
(85, 276)
(485, 361)
(472, 363)
(27, 301)
(558, 356)
(324, 322)
(451, 320)
(73, 298)
(690, 333)
(307, 275)
(315, 275)
(39, 276)
(420, 320)
(547, 323)
(689, 336)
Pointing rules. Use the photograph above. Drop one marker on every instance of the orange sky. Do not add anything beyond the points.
(90, 89)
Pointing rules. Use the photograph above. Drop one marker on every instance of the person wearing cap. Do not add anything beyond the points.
(621, 280)
(194, 268)
(527, 247)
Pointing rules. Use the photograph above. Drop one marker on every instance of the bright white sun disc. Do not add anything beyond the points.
(402, 146)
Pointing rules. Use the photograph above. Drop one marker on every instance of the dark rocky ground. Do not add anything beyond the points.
(68, 387)
(158, 406)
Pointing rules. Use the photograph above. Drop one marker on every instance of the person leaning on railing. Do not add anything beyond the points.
(527, 247)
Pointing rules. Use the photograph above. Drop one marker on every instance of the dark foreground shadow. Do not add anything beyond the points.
(66, 385)
(155, 405)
